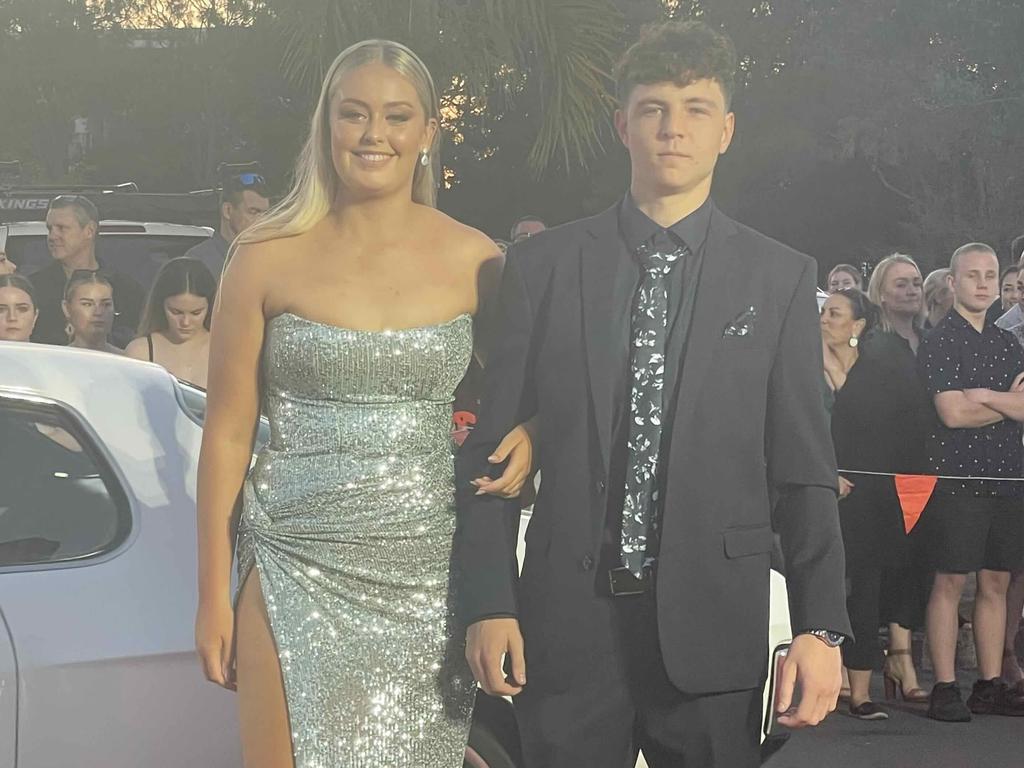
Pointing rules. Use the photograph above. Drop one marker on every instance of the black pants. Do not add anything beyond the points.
(885, 578)
(628, 704)
(878, 595)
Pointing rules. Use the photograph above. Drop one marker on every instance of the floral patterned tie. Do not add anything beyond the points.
(649, 332)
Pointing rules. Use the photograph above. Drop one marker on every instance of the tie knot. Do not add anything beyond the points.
(658, 260)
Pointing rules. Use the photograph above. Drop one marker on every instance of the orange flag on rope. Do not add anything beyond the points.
(914, 492)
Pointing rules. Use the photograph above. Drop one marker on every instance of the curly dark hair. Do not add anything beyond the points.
(681, 52)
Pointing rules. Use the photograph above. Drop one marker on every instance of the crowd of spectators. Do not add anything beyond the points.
(925, 378)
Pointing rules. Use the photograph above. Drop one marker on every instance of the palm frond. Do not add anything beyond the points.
(488, 47)
(577, 44)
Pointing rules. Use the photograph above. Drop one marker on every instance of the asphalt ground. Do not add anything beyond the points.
(908, 739)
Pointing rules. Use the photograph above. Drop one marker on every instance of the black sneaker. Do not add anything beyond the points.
(994, 697)
(946, 704)
(868, 710)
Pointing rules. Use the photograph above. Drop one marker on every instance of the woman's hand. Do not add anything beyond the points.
(517, 447)
(215, 630)
(845, 487)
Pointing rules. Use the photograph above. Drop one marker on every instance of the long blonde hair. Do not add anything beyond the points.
(877, 281)
(315, 188)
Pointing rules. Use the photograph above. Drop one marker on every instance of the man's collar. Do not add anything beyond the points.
(638, 228)
(963, 322)
(100, 266)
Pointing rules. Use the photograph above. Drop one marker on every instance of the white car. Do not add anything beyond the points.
(134, 248)
(98, 459)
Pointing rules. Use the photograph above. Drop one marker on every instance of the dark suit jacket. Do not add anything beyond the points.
(750, 454)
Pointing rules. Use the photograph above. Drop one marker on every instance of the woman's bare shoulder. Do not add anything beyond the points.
(137, 349)
(254, 268)
(264, 255)
(462, 240)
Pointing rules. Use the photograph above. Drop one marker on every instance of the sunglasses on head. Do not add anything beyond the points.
(251, 179)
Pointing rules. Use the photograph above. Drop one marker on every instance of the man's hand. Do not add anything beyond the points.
(817, 668)
(487, 643)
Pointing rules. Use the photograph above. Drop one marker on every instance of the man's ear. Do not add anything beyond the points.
(621, 125)
(728, 130)
(225, 210)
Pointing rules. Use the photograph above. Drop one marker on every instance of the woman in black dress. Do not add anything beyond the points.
(878, 422)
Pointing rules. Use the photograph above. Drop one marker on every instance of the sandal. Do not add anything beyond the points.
(894, 682)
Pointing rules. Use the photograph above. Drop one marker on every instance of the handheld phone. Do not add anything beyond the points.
(772, 715)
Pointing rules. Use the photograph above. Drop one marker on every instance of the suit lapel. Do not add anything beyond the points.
(600, 260)
(711, 314)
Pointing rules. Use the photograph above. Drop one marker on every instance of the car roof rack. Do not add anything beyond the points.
(117, 201)
(201, 207)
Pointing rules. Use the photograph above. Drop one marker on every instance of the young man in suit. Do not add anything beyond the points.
(670, 360)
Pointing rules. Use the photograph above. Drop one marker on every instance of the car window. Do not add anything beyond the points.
(139, 256)
(59, 500)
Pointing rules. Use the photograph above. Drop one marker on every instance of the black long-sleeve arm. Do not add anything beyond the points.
(802, 471)
(484, 555)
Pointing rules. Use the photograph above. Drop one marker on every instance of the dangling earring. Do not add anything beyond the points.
(424, 158)
(854, 341)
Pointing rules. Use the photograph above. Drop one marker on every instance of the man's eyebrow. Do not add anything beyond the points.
(701, 100)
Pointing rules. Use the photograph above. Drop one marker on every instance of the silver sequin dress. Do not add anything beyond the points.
(348, 518)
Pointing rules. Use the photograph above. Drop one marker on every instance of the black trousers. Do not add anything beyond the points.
(628, 704)
(878, 596)
(884, 574)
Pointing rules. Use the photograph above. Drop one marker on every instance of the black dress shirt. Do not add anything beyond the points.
(954, 356)
(49, 283)
(635, 229)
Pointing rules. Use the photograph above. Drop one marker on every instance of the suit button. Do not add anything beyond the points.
(587, 562)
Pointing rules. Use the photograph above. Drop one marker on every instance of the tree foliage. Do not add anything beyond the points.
(863, 127)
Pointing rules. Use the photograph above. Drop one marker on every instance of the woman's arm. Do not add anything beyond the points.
(231, 421)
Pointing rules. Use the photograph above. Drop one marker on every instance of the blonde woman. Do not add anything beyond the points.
(88, 307)
(938, 297)
(347, 313)
(896, 288)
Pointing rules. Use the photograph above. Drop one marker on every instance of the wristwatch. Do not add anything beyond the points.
(827, 636)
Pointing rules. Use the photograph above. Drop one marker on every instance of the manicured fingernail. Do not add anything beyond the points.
(492, 457)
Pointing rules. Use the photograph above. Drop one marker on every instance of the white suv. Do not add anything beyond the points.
(132, 248)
